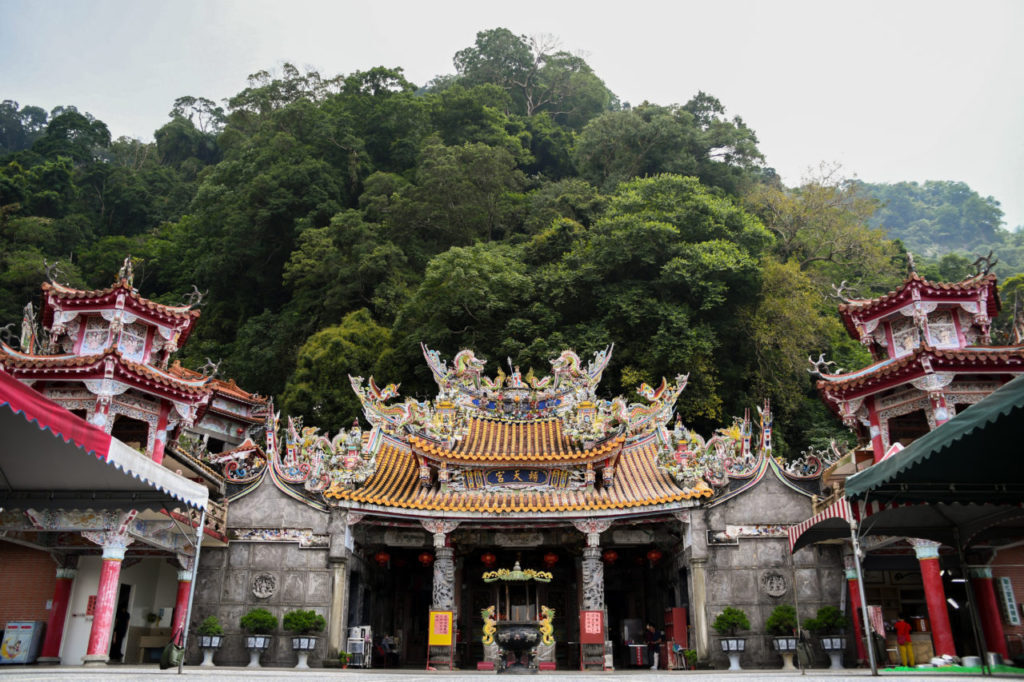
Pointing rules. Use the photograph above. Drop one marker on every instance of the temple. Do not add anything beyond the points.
(931, 345)
(103, 355)
(634, 517)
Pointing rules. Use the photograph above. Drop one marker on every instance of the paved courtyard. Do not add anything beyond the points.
(223, 674)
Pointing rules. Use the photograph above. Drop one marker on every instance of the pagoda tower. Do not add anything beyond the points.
(104, 356)
(930, 342)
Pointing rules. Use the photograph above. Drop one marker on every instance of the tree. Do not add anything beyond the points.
(319, 389)
(538, 76)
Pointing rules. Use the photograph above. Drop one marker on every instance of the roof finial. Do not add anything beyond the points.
(127, 272)
(984, 264)
(53, 272)
(195, 297)
(911, 266)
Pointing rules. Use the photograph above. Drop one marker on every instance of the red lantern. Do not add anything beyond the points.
(610, 556)
(382, 558)
(426, 558)
(488, 559)
(550, 559)
(654, 555)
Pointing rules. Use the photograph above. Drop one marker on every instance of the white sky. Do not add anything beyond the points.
(892, 90)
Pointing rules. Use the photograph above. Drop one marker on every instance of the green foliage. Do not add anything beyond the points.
(319, 388)
(344, 657)
(829, 621)
(304, 622)
(259, 622)
(691, 657)
(729, 621)
(211, 626)
(782, 620)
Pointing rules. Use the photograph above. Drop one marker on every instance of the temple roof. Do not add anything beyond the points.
(58, 367)
(498, 441)
(955, 292)
(638, 483)
(226, 388)
(923, 360)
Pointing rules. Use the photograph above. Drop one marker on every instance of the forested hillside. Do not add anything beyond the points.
(514, 207)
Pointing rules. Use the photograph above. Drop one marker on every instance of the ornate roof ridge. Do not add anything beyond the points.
(978, 281)
(67, 293)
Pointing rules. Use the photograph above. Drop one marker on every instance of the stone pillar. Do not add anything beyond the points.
(988, 609)
(593, 569)
(340, 529)
(444, 565)
(50, 652)
(935, 595)
(855, 606)
(699, 607)
(114, 545)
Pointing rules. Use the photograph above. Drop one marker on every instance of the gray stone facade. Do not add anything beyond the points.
(302, 577)
(743, 572)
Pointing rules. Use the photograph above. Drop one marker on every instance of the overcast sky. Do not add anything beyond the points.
(892, 90)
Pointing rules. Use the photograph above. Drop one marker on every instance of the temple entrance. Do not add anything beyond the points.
(637, 591)
(400, 588)
(560, 594)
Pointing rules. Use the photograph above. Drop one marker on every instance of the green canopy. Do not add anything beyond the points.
(973, 458)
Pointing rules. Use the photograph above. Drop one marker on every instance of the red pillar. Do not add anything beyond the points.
(181, 603)
(858, 629)
(160, 437)
(875, 430)
(935, 595)
(988, 609)
(114, 544)
(50, 652)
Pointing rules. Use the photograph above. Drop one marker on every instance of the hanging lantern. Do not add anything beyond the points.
(382, 558)
(654, 555)
(426, 558)
(610, 556)
(488, 559)
(550, 559)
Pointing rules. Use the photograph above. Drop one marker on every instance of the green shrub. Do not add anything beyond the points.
(259, 622)
(210, 626)
(730, 620)
(782, 621)
(304, 622)
(829, 621)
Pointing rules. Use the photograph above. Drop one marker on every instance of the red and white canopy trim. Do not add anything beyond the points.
(836, 514)
(59, 472)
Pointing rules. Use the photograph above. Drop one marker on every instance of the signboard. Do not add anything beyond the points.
(480, 478)
(592, 627)
(440, 628)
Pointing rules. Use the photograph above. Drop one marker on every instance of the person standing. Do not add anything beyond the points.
(653, 638)
(903, 642)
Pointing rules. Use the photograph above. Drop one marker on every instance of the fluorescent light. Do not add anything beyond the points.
(952, 602)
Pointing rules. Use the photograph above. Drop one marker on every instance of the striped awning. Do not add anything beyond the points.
(832, 522)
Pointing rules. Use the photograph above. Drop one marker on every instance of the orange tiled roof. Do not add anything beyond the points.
(497, 440)
(638, 483)
(70, 294)
(228, 388)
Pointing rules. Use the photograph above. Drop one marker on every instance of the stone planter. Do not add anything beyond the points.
(834, 646)
(256, 644)
(733, 647)
(787, 647)
(303, 645)
(209, 644)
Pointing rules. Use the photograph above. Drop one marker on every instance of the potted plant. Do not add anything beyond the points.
(259, 623)
(726, 624)
(829, 625)
(690, 656)
(781, 624)
(343, 658)
(304, 624)
(211, 636)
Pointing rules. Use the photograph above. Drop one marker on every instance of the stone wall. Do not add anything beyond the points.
(301, 576)
(745, 573)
